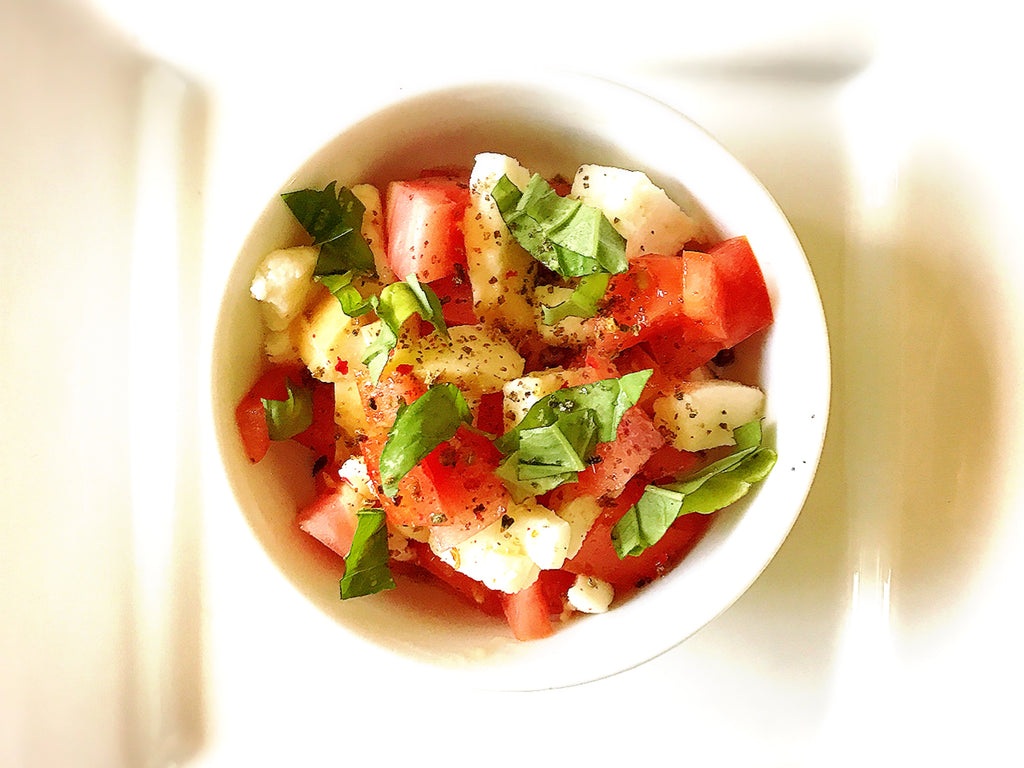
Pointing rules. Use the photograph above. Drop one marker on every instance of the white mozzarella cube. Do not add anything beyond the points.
(500, 271)
(581, 513)
(589, 594)
(638, 209)
(475, 358)
(567, 332)
(520, 394)
(544, 535)
(283, 283)
(494, 557)
(703, 414)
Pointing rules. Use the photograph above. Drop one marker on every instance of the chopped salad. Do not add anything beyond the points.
(513, 385)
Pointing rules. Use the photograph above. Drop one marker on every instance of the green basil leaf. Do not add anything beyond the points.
(352, 302)
(397, 303)
(552, 443)
(561, 446)
(287, 418)
(581, 303)
(609, 399)
(567, 236)
(334, 220)
(419, 428)
(715, 487)
(521, 489)
(366, 567)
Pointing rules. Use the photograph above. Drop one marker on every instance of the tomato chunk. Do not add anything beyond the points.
(527, 612)
(597, 556)
(620, 459)
(322, 435)
(331, 518)
(469, 495)
(724, 291)
(456, 296)
(424, 227)
(272, 384)
(485, 599)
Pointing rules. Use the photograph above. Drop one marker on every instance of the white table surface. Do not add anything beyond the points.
(140, 623)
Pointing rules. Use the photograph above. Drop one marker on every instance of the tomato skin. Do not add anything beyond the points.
(597, 556)
(678, 355)
(322, 435)
(620, 459)
(490, 415)
(424, 226)
(527, 612)
(469, 495)
(485, 599)
(724, 291)
(685, 308)
(644, 301)
(330, 519)
(252, 426)
(668, 464)
(456, 296)
(272, 384)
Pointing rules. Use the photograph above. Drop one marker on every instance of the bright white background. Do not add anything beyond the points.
(140, 624)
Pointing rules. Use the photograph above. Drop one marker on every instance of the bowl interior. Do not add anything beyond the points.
(551, 126)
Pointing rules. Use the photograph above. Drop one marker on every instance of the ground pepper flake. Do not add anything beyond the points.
(341, 366)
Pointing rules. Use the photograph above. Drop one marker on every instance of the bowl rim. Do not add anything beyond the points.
(521, 676)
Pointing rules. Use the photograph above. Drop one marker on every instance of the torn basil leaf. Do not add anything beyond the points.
(566, 235)
(291, 416)
(352, 302)
(397, 303)
(334, 220)
(608, 398)
(419, 428)
(552, 443)
(716, 486)
(581, 303)
(366, 567)
(520, 488)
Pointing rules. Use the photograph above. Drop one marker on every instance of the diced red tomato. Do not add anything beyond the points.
(637, 358)
(490, 416)
(424, 227)
(668, 463)
(561, 185)
(725, 292)
(331, 518)
(469, 495)
(597, 556)
(322, 435)
(643, 302)
(479, 595)
(596, 367)
(272, 384)
(555, 585)
(678, 355)
(685, 308)
(620, 459)
(416, 500)
(456, 295)
(381, 400)
(527, 612)
(252, 426)
(453, 487)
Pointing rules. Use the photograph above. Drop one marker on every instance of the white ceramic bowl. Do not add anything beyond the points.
(551, 124)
